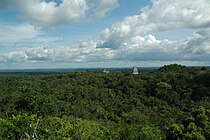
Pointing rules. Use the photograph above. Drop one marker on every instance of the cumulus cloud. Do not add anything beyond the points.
(161, 15)
(135, 49)
(197, 46)
(194, 48)
(50, 14)
(132, 40)
(83, 51)
(148, 48)
(15, 57)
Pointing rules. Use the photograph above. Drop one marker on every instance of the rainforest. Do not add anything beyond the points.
(169, 103)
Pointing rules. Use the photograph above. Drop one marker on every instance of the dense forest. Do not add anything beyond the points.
(170, 103)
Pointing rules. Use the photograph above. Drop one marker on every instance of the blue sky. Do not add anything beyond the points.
(103, 33)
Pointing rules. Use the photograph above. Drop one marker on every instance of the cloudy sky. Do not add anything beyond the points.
(103, 33)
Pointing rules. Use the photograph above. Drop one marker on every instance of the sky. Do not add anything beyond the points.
(38, 34)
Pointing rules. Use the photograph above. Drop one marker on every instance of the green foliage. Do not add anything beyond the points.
(56, 128)
(175, 132)
(194, 136)
(150, 133)
(84, 129)
(19, 127)
(172, 102)
(7, 130)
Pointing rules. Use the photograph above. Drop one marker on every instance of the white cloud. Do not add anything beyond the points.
(10, 34)
(138, 48)
(84, 51)
(197, 46)
(162, 15)
(100, 8)
(24, 34)
(143, 48)
(147, 48)
(16, 57)
(50, 14)
(131, 40)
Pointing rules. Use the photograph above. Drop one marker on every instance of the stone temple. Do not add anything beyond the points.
(135, 70)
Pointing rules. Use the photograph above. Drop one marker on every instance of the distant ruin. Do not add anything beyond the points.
(105, 71)
(135, 70)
